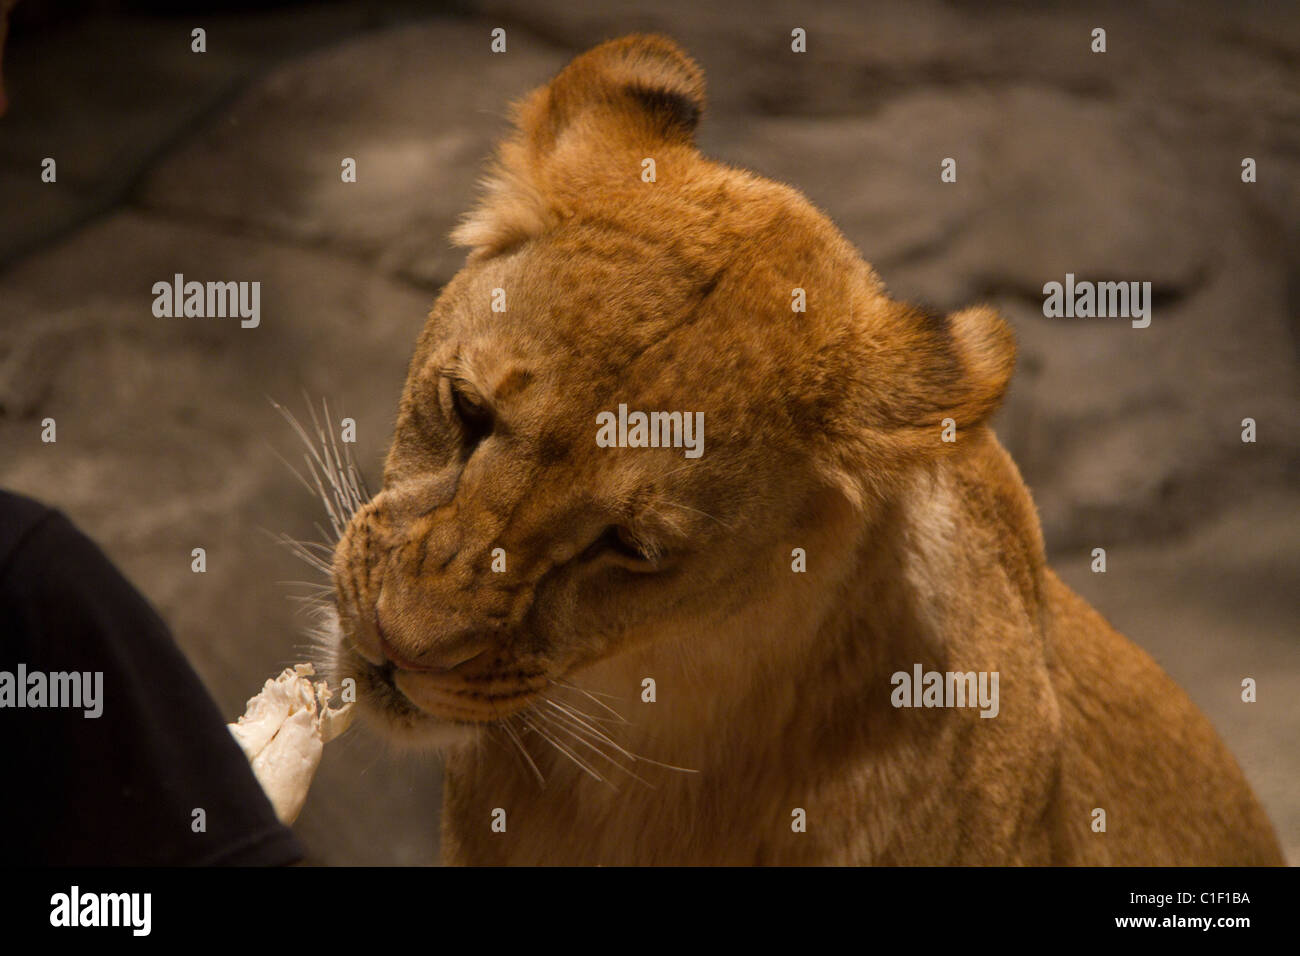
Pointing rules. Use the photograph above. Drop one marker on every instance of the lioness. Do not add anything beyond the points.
(635, 655)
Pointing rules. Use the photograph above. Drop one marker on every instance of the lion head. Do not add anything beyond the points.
(529, 523)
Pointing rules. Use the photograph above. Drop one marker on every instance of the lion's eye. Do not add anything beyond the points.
(475, 417)
(626, 545)
(618, 540)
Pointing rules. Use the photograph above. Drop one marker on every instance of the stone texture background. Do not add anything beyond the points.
(225, 165)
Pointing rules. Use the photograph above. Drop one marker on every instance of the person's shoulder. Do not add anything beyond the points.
(43, 553)
(42, 550)
(19, 517)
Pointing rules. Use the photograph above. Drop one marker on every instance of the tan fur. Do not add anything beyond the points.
(822, 433)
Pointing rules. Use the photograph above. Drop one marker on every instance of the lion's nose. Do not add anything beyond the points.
(437, 659)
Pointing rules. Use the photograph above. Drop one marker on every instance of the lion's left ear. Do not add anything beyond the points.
(639, 92)
(986, 350)
(917, 385)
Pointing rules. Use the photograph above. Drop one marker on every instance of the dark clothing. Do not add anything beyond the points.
(121, 788)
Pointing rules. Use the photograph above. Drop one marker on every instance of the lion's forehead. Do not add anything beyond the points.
(682, 305)
(555, 394)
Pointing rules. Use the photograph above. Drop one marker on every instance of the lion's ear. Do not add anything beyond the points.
(919, 384)
(986, 350)
(643, 83)
(639, 91)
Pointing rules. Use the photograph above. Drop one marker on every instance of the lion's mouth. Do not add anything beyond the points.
(459, 696)
(477, 701)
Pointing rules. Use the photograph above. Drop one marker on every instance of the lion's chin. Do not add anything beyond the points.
(412, 729)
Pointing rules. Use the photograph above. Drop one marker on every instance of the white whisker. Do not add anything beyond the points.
(578, 720)
(576, 738)
(667, 766)
(589, 695)
(560, 747)
(598, 693)
(678, 504)
(510, 731)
